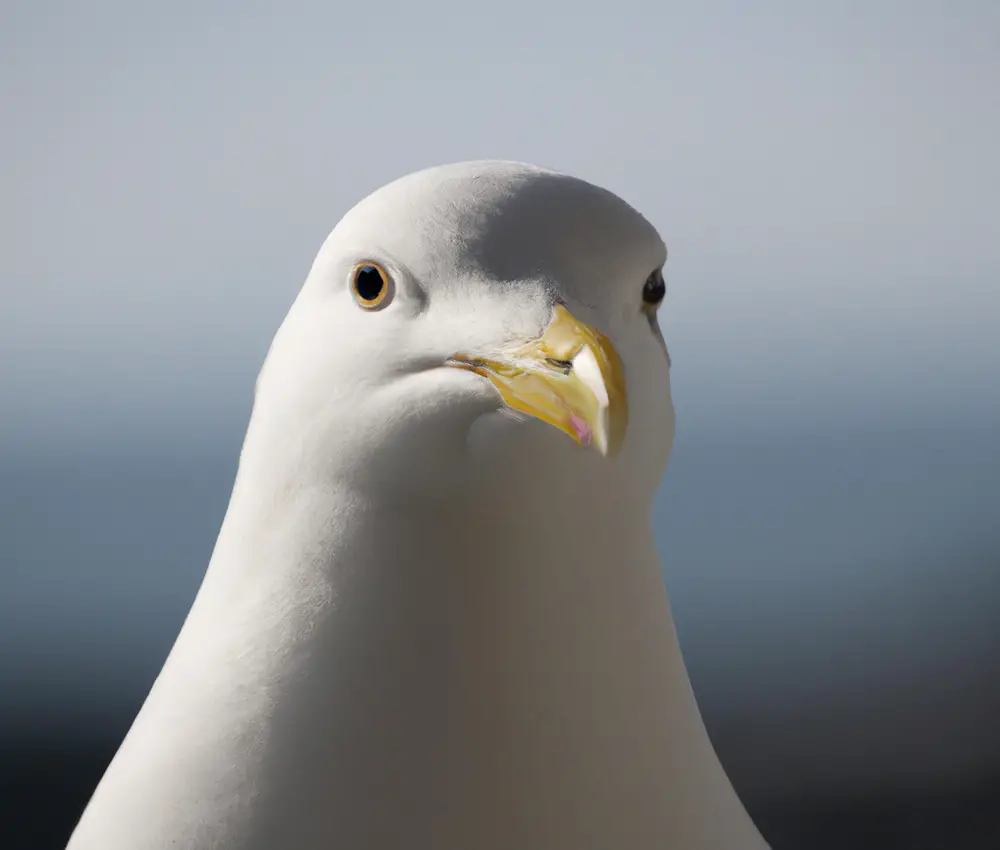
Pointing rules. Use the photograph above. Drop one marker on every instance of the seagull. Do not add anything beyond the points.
(434, 617)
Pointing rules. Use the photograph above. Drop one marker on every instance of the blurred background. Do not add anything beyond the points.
(827, 181)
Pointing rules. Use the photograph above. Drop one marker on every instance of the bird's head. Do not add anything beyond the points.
(481, 322)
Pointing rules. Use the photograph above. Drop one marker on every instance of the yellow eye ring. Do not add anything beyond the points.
(371, 285)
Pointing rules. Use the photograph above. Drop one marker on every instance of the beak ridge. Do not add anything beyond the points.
(570, 377)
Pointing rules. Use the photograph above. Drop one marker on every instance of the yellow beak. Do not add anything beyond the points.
(570, 377)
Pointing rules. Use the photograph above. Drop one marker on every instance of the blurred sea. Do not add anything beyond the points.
(836, 589)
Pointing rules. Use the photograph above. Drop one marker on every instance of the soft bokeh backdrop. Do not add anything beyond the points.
(826, 176)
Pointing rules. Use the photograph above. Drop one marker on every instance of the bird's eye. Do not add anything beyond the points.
(653, 291)
(371, 285)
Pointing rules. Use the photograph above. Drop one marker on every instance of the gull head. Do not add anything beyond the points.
(479, 324)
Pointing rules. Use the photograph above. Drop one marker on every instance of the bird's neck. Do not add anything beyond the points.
(371, 676)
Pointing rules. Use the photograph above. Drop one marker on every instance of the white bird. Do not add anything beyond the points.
(434, 618)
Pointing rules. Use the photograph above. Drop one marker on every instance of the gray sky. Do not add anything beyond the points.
(826, 179)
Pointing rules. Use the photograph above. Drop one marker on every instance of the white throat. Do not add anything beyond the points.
(356, 675)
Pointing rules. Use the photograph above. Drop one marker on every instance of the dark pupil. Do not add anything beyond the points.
(368, 283)
(654, 290)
